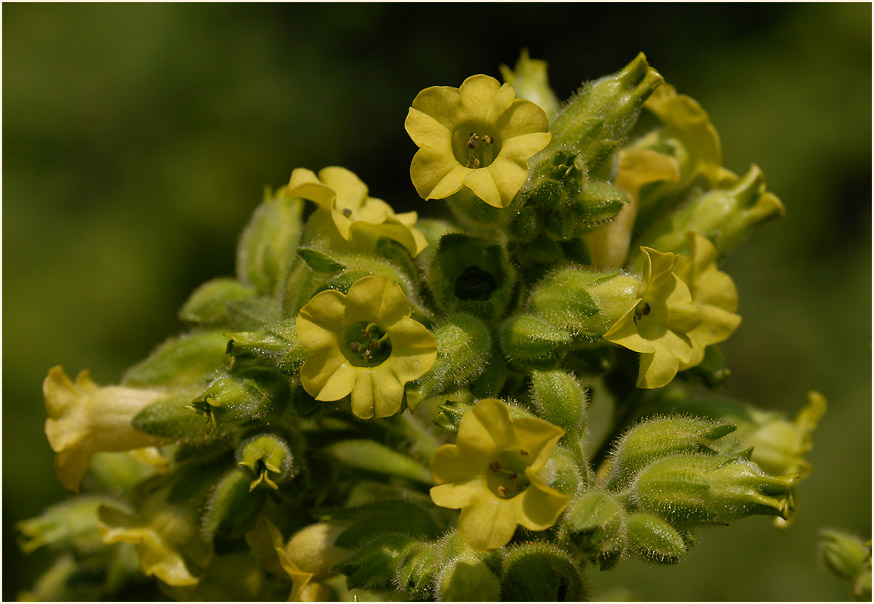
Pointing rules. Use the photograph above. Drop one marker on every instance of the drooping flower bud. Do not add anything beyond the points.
(652, 539)
(560, 398)
(594, 524)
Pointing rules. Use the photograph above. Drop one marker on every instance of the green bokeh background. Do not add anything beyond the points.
(137, 140)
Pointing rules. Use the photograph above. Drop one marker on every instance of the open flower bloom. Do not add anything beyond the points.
(166, 536)
(353, 212)
(85, 418)
(363, 343)
(659, 322)
(477, 136)
(267, 545)
(713, 292)
(492, 474)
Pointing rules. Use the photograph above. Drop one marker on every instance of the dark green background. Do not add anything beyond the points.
(137, 139)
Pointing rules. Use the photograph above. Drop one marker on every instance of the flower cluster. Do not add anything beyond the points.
(383, 407)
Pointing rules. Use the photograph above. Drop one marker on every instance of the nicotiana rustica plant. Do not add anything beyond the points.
(385, 406)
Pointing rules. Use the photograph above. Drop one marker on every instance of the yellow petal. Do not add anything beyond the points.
(414, 349)
(457, 495)
(325, 310)
(338, 384)
(306, 185)
(318, 368)
(477, 94)
(436, 174)
(351, 192)
(522, 117)
(489, 523)
(377, 393)
(443, 103)
(482, 183)
(657, 369)
(486, 429)
(426, 131)
(540, 506)
(376, 299)
(500, 104)
(451, 464)
(538, 438)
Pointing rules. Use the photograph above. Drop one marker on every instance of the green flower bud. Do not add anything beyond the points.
(586, 303)
(208, 303)
(597, 202)
(418, 573)
(242, 398)
(467, 578)
(230, 509)
(540, 572)
(693, 490)
(594, 524)
(847, 557)
(269, 458)
(560, 398)
(652, 539)
(277, 345)
(464, 345)
(267, 246)
(529, 341)
(725, 216)
(662, 437)
(530, 81)
(472, 275)
(180, 362)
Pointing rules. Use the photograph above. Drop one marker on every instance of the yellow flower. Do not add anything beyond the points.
(363, 343)
(85, 418)
(713, 292)
(493, 475)
(267, 545)
(477, 136)
(659, 321)
(353, 212)
(166, 535)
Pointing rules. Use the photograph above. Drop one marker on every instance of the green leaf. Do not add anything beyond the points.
(374, 457)
(181, 362)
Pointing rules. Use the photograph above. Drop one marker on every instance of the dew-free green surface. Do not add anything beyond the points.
(137, 140)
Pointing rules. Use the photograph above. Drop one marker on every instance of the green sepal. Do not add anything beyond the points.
(269, 459)
(662, 437)
(169, 418)
(597, 203)
(417, 573)
(560, 398)
(231, 508)
(468, 578)
(276, 345)
(541, 572)
(531, 342)
(464, 345)
(319, 261)
(266, 248)
(594, 524)
(653, 540)
(471, 275)
(243, 398)
(244, 315)
(449, 415)
(382, 517)
(208, 304)
(374, 457)
(400, 256)
(180, 362)
(374, 565)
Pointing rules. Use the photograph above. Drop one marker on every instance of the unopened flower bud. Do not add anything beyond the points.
(276, 344)
(464, 346)
(654, 540)
(240, 398)
(530, 81)
(662, 437)
(312, 549)
(230, 508)
(467, 578)
(849, 558)
(208, 304)
(529, 341)
(693, 490)
(541, 572)
(472, 275)
(269, 459)
(594, 523)
(560, 398)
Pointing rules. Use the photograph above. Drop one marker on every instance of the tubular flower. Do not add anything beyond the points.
(477, 136)
(492, 474)
(85, 418)
(166, 535)
(353, 211)
(713, 292)
(659, 322)
(363, 343)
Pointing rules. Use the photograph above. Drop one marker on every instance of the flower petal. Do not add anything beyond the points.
(489, 523)
(522, 117)
(443, 103)
(458, 494)
(305, 184)
(538, 438)
(435, 174)
(451, 464)
(477, 93)
(376, 299)
(539, 506)
(427, 131)
(486, 429)
(414, 348)
(377, 393)
(657, 369)
(482, 183)
(326, 309)
(330, 385)
(351, 191)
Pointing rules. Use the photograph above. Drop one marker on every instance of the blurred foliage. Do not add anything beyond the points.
(138, 138)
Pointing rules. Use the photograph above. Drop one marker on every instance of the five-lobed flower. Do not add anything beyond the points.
(355, 214)
(363, 343)
(493, 474)
(477, 136)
